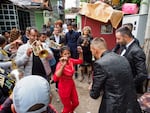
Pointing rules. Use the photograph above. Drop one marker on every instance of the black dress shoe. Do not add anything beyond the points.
(76, 75)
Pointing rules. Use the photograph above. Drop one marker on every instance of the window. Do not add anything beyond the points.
(8, 17)
(10, 7)
(3, 28)
(106, 29)
(8, 28)
(11, 12)
(1, 23)
(8, 23)
(5, 7)
(1, 16)
(5, 12)
(12, 23)
(12, 17)
(24, 19)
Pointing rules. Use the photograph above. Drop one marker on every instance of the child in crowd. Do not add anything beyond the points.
(23, 101)
(64, 73)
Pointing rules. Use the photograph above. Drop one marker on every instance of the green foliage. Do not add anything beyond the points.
(136, 1)
(144, 2)
(84, 0)
(67, 10)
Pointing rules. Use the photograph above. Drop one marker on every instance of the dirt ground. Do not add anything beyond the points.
(86, 103)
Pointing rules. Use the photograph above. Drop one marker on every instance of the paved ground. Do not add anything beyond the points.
(86, 104)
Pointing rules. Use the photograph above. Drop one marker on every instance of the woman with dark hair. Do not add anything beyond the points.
(64, 73)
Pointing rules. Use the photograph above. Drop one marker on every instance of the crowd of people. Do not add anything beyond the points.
(55, 55)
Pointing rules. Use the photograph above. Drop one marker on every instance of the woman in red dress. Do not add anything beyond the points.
(64, 74)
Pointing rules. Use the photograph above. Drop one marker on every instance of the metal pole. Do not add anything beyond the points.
(147, 33)
(147, 42)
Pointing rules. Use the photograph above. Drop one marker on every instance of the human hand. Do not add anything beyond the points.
(90, 86)
(29, 51)
(63, 60)
(39, 43)
(11, 96)
(85, 42)
(79, 49)
(18, 41)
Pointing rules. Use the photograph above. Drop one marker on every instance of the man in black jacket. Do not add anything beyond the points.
(134, 54)
(71, 38)
(118, 48)
(112, 74)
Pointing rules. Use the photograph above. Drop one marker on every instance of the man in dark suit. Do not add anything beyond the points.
(112, 74)
(118, 48)
(71, 38)
(135, 56)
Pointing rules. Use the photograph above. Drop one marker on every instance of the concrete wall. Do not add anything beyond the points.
(39, 20)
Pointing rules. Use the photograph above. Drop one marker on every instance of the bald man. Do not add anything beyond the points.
(112, 75)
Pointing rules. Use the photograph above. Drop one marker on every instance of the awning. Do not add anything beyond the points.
(103, 12)
(33, 4)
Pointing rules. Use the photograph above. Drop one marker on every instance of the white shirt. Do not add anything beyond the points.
(124, 51)
(57, 39)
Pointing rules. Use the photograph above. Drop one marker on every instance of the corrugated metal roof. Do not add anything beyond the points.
(30, 4)
(21, 2)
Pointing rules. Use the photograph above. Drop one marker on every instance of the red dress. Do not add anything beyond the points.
(67, 90)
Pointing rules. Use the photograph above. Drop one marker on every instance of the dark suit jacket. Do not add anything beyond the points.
(24, 39)
(137, 58)
(71, 38)
(118, 48)
(112, 74)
